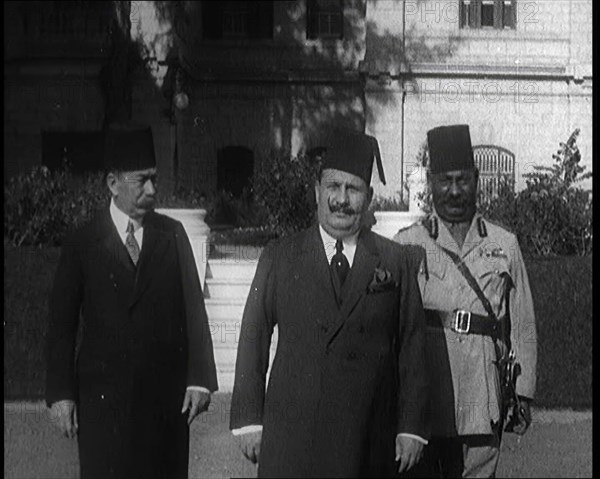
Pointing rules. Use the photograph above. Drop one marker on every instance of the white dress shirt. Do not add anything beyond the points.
(121, 220)
(348, 251)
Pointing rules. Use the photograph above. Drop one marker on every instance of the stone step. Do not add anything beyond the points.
(231, 269)
(224, 311)
(226, 335)
(227, 288)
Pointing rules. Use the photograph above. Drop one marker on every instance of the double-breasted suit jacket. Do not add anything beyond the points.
(144, 339)
(345, 379)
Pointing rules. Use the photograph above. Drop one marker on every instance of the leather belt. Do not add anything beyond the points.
(463, 322)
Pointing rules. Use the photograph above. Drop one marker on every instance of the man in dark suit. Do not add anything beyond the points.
(129, 280)
(347, 391)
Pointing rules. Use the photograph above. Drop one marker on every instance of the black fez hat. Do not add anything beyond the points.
(128, 146)
(352, 152)
(450, 149)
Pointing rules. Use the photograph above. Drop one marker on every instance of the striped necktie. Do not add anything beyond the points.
(133, 248)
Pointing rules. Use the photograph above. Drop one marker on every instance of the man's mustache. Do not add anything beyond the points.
(147, 202)
(344, 208)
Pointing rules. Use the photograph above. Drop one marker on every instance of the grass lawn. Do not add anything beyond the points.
(557, 445)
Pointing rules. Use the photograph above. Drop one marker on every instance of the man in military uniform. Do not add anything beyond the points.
(479, 307)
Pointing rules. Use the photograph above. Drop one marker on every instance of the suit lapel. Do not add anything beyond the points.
(154, 245)
(111, 241)
(366, 259)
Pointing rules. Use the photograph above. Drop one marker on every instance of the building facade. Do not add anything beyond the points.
(265, 78)
(518, 72)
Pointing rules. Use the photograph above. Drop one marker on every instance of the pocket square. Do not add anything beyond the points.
(382, 281)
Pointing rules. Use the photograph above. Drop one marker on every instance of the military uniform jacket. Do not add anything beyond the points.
(345, 380)
(144, 339)
(465, 385)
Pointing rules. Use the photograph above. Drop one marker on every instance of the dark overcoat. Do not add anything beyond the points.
(345, 380)
(145, 338)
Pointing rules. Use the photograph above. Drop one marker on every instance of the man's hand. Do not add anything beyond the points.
(521, 426)
(408, 451)
(250, 445)
(196, 401)
(64, 415)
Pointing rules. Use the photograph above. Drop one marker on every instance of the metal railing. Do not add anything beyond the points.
(496, 167)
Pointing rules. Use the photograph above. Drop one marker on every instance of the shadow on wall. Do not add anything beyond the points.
(278, 89)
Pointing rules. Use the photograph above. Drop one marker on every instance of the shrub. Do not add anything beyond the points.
(222, 208)
(182, 198)
(551, 216)
(384, 203)
(242, 212)
(563, 298)
(285, 188)
(40, 207)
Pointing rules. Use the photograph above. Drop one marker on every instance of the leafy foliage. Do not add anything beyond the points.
(285, 188)
(384, 203)
(40, 207)
(222, 207)
(552, 216)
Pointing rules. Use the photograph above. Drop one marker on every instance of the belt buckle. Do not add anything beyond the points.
(462, 321)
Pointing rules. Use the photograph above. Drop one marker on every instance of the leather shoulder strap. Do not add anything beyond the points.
(464, 270)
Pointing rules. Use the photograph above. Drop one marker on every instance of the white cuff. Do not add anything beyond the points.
(198, 388)
(247, 429)
(414, 436)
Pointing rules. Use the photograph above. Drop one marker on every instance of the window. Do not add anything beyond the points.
(237, 19)
(487, 14)
(324, 19)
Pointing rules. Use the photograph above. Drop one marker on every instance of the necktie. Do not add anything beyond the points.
(339, 263)
(133, 248)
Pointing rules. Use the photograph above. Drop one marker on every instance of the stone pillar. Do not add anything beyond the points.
(198, 233)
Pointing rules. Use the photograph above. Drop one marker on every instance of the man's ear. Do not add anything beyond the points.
(369, 196)
(112, 181)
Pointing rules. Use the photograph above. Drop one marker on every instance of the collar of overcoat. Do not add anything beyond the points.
(153, 249)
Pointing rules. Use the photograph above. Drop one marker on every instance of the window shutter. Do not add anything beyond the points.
(475, 14)
(498, 13)
(311, 23)
(260, 19)
(510, 14)
(341, 19)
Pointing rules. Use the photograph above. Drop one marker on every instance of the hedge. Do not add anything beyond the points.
(564, 325)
